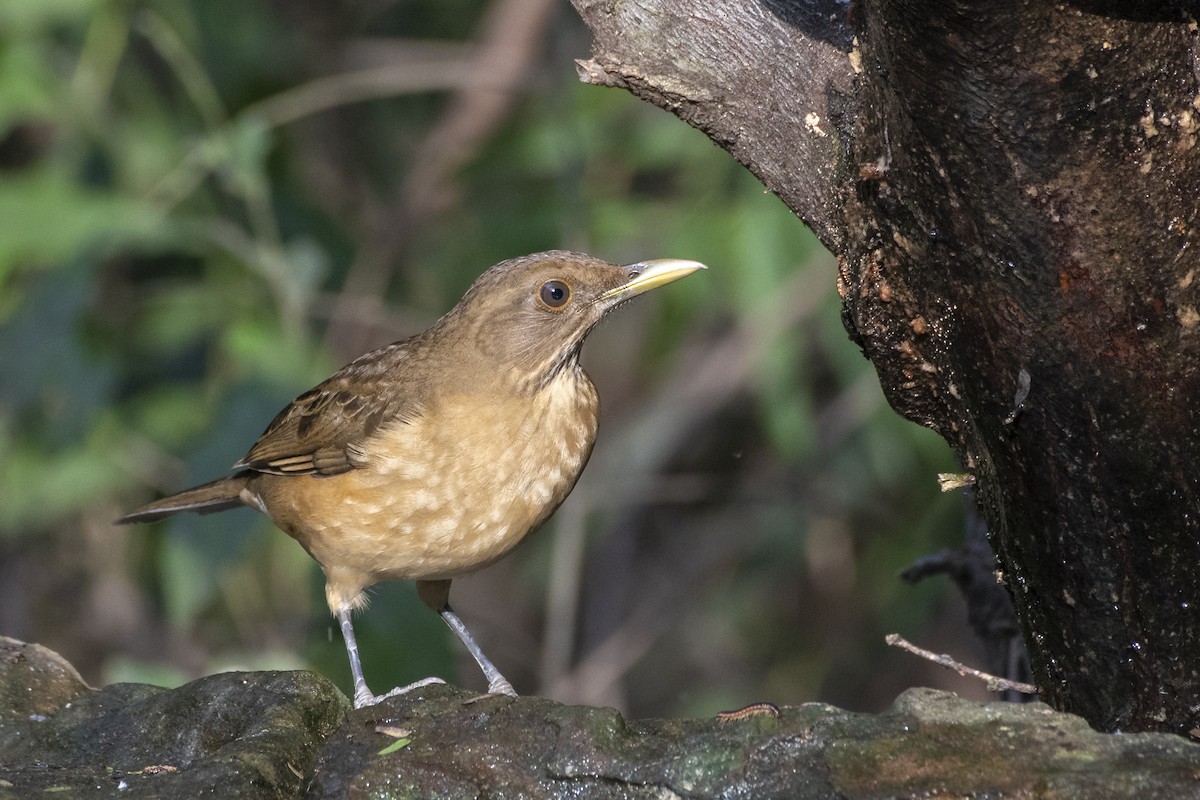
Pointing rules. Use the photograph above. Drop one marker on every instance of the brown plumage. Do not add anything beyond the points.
(434, 456)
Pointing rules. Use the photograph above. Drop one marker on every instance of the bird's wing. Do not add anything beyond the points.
(322, 432)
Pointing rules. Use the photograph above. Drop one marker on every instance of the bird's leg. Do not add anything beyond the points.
(436, 595)
(362, 695)
(496, 682)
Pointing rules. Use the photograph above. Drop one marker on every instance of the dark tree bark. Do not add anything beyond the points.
(1012, 190)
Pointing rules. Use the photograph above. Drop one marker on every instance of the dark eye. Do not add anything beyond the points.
(555, 294)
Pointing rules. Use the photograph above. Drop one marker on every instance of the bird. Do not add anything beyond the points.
(434, 456)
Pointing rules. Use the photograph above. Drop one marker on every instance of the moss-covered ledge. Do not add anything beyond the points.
(229, 735)
(292, 734)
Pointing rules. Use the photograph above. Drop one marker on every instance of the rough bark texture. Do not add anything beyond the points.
(1012, 189)
(766, 81)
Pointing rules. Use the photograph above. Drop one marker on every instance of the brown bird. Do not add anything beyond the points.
(434, 456)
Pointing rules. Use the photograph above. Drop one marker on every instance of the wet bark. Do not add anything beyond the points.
(1012, 190)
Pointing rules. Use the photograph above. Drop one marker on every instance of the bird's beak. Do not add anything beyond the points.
(647, 275)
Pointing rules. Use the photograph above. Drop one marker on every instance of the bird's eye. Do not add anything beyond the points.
(555, 294)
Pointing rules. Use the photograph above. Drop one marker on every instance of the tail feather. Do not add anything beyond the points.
(218, 495)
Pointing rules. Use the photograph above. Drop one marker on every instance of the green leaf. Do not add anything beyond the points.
(190, 583)
(171, 414)
(21, 18)
(47, 218)
(41, 485)
(182, 316)
(27, 87)
(260, 349)
(399, 744)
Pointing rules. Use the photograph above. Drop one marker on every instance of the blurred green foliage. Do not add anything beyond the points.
(185, 245)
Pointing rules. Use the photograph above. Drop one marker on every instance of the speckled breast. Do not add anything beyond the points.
(453, 489)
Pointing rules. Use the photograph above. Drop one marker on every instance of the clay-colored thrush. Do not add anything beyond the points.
(434, 456)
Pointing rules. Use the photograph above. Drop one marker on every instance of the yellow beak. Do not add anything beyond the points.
(647, 275)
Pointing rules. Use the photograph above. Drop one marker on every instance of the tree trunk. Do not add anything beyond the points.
(1012, 191)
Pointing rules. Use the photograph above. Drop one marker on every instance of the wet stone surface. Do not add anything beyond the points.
(294, 735)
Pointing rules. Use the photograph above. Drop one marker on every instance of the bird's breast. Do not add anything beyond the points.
(449, 491)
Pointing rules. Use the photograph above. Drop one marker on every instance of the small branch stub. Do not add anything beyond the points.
(994, 682)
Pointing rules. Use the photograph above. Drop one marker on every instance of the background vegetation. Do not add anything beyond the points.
(206, 207)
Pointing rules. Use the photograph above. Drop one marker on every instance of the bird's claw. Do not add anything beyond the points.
(496, 688)
(364, 698)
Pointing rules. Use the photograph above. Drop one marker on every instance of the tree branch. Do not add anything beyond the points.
(767, 81)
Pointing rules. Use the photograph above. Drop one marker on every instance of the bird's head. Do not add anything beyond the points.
(530, 315)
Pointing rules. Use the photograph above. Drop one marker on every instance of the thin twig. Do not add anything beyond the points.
(994, 683)
(346, 88)
(508, 48)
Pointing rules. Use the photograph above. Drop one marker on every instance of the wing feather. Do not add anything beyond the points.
(324, 430)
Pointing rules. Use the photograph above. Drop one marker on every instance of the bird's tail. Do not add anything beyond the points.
(219, 495)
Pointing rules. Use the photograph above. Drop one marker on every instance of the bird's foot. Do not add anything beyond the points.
(364, 698)
(499, 687)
